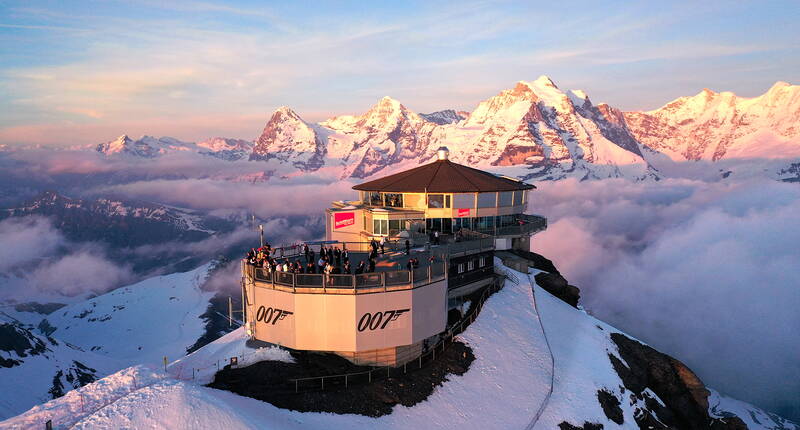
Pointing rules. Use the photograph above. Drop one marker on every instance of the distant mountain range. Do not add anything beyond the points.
(547, 132)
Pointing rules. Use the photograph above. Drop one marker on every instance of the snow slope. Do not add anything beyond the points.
(35, 368)
(504, 388)
(140, 323)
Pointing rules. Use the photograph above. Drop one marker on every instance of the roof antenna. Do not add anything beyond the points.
(443, 153)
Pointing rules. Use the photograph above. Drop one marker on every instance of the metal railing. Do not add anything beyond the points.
(352, 284)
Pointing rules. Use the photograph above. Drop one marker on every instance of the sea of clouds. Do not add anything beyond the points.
(706, 272)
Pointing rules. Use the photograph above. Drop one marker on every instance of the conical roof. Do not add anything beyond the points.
(443, 176)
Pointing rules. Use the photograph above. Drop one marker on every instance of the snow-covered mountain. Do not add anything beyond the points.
(151, 147)
(713, 126)
(37, 368)
(226, 148)
(146, 146)
(79, 343)
(116, 222)
(534, 130)
(535, 125)
(539, 363)
(288, 138)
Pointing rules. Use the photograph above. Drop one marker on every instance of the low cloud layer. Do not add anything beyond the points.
(38, 263)
(707, 272)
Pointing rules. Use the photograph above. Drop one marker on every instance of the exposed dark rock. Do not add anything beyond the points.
(682, 392)
(550, 279)
(267, 381)
(537, 261)
(20, 341)
(57, 389)
(611, 406)
(216, 324)
(556, 285)
(586, 426)
(41, 308)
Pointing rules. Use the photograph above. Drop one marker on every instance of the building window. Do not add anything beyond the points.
(505, 198)
(461, 268)
(438, 201)
(395, 225)
(487, 200)
(482, 262)
(380, 226)
(471, 265)
(375, 199)
(394, 200)
(518, 197)
(464, 201)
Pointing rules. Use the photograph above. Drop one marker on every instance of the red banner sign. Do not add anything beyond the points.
(343, 219)
(463, 213)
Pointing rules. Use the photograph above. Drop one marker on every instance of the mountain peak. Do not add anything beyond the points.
(545, 81)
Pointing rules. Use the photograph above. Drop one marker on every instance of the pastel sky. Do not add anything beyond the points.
(85, 72)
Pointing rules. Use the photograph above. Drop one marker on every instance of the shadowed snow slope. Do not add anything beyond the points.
(140, 323)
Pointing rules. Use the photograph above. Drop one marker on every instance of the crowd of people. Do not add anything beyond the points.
(331, 260)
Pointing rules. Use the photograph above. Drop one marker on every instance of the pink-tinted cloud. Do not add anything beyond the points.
(707, 272)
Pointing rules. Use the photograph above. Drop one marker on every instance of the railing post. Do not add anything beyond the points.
(429, 274)
(383, 281)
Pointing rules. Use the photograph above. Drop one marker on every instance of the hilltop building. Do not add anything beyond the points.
(447, 217)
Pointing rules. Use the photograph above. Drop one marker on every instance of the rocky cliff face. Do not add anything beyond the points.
(288, 138)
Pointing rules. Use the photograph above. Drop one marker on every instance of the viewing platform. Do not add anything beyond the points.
(440, 225)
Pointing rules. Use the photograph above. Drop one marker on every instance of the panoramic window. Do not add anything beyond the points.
(375, 199)
(438, 201)
(506, 198)
(518, 195)
(464, 201)
(394, 200)
(487, 200)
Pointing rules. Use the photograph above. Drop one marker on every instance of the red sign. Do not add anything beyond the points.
(463, 212)
(343, 219)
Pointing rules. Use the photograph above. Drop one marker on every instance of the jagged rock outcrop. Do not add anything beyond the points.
(684, 396)
(288, 138)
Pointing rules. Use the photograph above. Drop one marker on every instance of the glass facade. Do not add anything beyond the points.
(484, 223)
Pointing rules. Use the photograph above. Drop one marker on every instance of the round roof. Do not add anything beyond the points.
(443, 176)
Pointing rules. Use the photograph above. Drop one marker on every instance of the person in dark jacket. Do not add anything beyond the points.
(347, 269)
(360, 268)
(408, 247)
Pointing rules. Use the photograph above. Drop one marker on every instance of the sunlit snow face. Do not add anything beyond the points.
(707, 272)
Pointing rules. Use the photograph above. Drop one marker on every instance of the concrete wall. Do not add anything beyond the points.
(347, 322)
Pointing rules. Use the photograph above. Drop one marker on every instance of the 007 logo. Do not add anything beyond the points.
(270, 315)
(379, 320)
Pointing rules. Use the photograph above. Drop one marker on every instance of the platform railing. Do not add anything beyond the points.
(345, 283)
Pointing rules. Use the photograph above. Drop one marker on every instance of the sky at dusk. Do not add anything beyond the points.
(85, 72)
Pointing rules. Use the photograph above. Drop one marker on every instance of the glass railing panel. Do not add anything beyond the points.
(284, 278)
(399, 277)
(309, 280)
(368, 280)
(339, 281)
